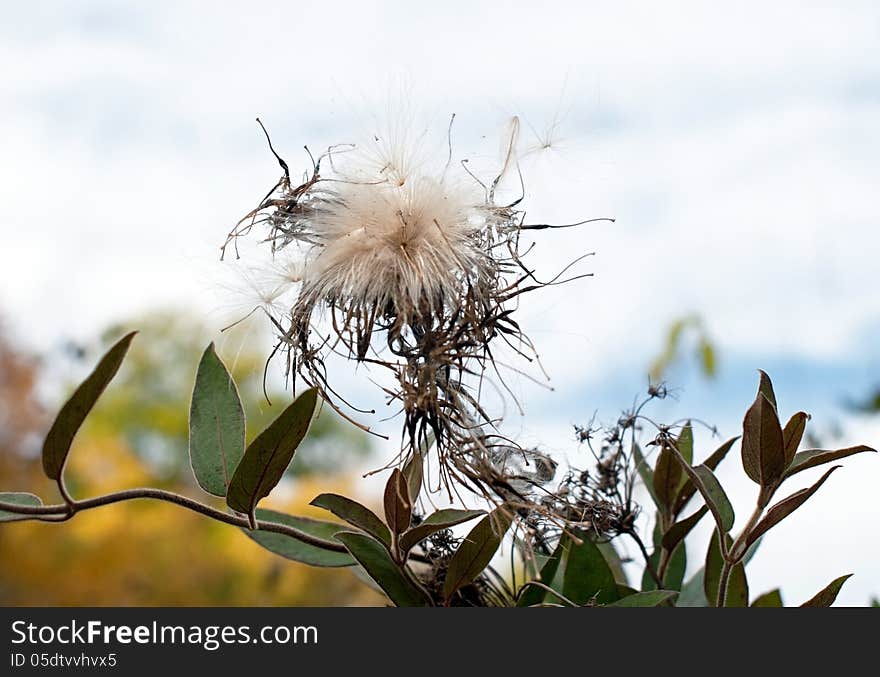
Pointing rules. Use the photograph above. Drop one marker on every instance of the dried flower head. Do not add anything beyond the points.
(417, 269)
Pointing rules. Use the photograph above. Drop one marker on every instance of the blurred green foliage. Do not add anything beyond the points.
(149, 401)
(686, 335)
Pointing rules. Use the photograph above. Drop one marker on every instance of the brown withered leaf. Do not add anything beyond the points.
(815, 457)
(763, 450)
(826, 596)
(792, 434)
(398, 506)
(785, 507)
(667, 480)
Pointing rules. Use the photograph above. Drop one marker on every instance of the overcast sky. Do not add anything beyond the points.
(737, 148)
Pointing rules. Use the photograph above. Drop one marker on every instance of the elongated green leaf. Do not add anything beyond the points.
(763, 450)
(814, 457)
(765, 388)
(675, 570)
(712, 569)
(533, 594)
(716, 498)
(60, 436)
(268, 456)
(398, 507)
(374, 557)
(645, 472)
(667, 479)
(737, 588)
(216, 425)
(712, 492)
(772, 599)
(615, 563)
(648, 582)
(355, 514)
(625, 591)
(442, 519)
(685, 443)
(751, 550)
(292, 548)
(587, 574)
(692, 593)
(18, 498)
(826, 596)
(646, 599)
(689, 489)
(785, 507)
(476, 550)
(706, 355)
(678, 531)
(792, 434)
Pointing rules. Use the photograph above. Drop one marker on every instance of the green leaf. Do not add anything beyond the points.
(615, 563)
(785, 507)
(712, 569)
(692, 593)
(292, 548)
(476, 550)
(374, 557)
(763, 449)
(772, 599)
(712, 492)
(678, 531)
(355, 514)
(648, 582)
(685, 443)
(18, 498)
(645, 472)
(813, 457)
(737, 586)
(56, 447)
(442, 519)
(792, 434)
(715, 496)
(765, 388)
(646, 599)
(398, 507)
(752, 549)
(667, 479)
(689, 489)
(706, 355)
(216, 425)
(675, 570)
(826, 596)
(413, 472)
(587, 574)
(533, 594)
(268, 456)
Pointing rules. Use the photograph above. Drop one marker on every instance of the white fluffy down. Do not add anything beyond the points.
(386, 236)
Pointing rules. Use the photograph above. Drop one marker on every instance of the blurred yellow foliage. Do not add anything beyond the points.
(157, 554)
(147, 552)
